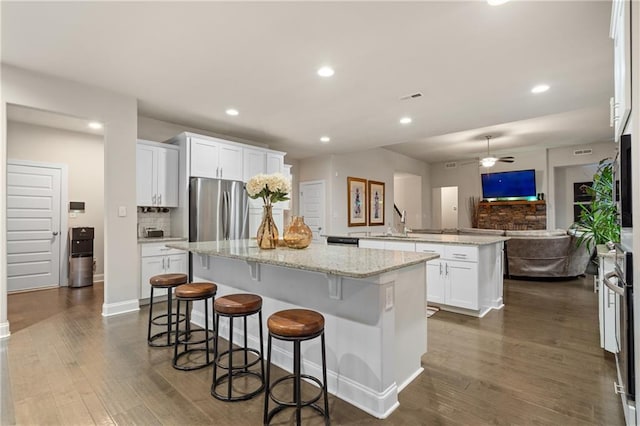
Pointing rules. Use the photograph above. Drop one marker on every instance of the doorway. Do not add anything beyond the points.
(312, 207)
(34, 224)
(444, 210)
(49, 140)
(407, 197)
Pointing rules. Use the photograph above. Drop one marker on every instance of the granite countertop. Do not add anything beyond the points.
(603, 251)
(344, 261)
(159, 239)
(462, 239)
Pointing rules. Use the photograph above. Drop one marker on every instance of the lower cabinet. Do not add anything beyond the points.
(607, 303)
(156, 259)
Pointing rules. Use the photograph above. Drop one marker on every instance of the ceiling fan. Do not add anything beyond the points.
(490, 161)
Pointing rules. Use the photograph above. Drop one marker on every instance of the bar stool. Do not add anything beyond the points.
(189, 293)
(168, 282)
(296, 325)
(233, 306)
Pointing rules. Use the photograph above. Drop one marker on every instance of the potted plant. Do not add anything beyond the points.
(598, 223)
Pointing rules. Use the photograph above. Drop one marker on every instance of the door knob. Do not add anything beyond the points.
(55, 233)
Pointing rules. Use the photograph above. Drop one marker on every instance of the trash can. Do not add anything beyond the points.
(80, 256)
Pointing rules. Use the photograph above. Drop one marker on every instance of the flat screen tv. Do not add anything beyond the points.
(520, 183)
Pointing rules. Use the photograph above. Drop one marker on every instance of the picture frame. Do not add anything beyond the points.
(356, 201)
(375, 194)
(580, 194)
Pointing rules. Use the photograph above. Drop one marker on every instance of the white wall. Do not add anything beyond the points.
(467, 176)
(119, 115)
(83, 153)
(375, 164)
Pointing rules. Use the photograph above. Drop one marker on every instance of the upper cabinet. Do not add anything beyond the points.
(621, 35)
(156, 174)
(275, 162)
(214, 159)
(255, 162)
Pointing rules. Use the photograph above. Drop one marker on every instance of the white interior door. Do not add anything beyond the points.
(449, 205)
(312, 206)
(33, 227)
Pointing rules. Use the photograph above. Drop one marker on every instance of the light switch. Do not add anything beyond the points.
(122, 211)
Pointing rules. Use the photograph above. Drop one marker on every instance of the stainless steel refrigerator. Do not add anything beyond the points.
(218, 210)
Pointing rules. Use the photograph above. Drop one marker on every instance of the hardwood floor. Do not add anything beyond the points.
(537, 361)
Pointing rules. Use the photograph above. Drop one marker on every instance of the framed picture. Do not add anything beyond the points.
(577, 210)
(580, 194)
(376, 202)
(357, 201)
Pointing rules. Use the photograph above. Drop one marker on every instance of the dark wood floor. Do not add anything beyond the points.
(537, 361)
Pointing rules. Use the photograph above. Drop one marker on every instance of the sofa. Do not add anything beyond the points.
(535, 254)
(545, 254)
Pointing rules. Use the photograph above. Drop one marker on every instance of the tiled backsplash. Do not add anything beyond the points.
(157, 220)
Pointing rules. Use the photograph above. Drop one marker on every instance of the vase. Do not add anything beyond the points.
(267, 232)
(298, 235)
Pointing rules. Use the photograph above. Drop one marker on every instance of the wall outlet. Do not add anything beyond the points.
(388, 303)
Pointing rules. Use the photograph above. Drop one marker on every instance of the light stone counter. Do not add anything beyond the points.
(336, 260)
(144, 240)
(373, 303)
(460, 239)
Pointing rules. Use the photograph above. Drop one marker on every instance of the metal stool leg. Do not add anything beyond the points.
(297, 392)
(150, 316)
(230, 361)
(267, 393)
(327, 420)
(169, 315)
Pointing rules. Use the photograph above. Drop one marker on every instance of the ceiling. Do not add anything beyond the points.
(474, 64)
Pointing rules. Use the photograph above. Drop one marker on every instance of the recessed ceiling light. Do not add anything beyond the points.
(95, 125)
(540, 88)
(232, 111)
(326, 72)
(496, 2)
(325, 139)
(405, 120)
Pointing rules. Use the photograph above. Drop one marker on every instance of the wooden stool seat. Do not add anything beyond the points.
(296, 323)
(238, 304)
(168, 280)
(196, 290)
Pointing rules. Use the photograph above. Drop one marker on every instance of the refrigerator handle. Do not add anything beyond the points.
(224, 215)
(228, 223)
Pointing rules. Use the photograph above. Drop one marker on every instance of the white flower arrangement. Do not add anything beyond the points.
(271, 188)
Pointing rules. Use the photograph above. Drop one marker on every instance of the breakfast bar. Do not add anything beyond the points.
(373, 302)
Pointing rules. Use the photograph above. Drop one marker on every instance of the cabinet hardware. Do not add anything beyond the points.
(618, 389)
(163, 264)
(153, 200)
(440, 268)
(159, 199)
(446, 269)
(168, 263)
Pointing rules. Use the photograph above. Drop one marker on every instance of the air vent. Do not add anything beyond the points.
(451, 165)
(587, 151)
(411, 96)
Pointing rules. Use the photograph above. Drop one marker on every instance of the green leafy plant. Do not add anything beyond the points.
(598, 223)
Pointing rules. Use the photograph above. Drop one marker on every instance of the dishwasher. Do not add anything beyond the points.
(343, 241)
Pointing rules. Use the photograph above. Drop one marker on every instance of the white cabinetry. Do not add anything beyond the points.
(621, 35)
(607, 303)
(275, 162)
(156, 174)
(466, 278)
(155, 259)
(215, 159)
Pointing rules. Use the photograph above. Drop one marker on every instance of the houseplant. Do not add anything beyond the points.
(272, 189)
(598, 223)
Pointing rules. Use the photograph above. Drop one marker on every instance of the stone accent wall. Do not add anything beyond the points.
(512, 215)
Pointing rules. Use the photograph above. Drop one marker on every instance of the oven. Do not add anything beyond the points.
(621, 282)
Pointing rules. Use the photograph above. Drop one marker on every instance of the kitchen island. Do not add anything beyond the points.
(372, 301)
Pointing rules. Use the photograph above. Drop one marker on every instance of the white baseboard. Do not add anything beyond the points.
(4, 330)
(110, 309)
(98, 277)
